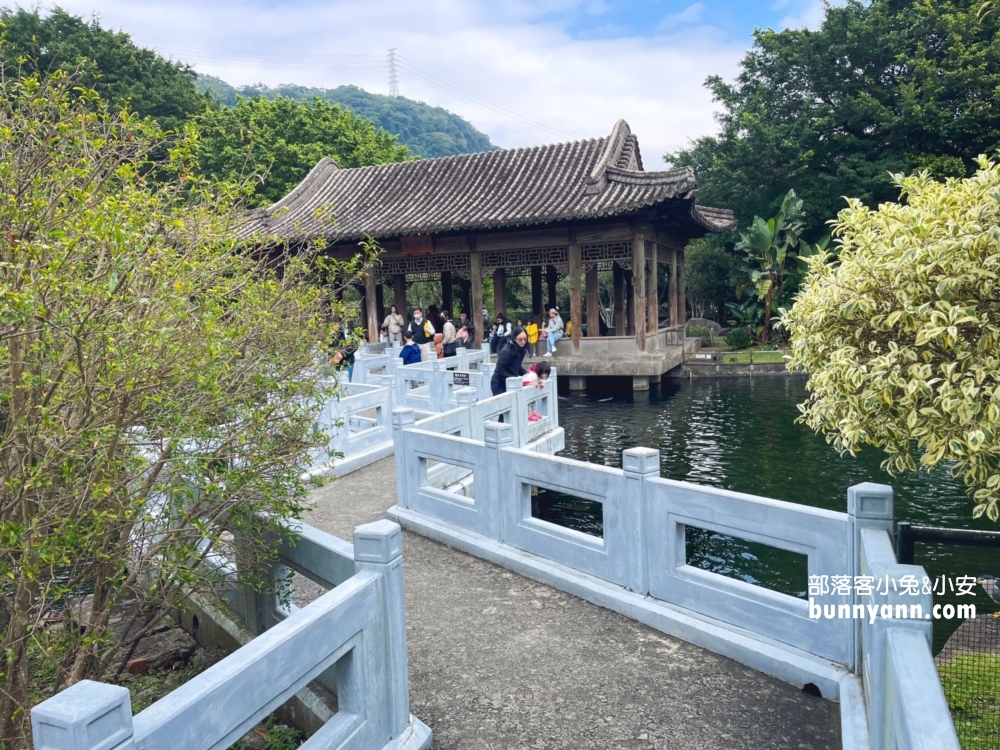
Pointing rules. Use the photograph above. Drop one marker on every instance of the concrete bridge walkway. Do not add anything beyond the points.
(500, 661)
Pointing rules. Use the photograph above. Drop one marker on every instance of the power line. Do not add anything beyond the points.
(393, 80)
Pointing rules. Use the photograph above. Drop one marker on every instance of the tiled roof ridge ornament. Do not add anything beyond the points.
(597, 180)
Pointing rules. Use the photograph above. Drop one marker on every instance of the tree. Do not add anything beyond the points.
(159, 381)
(711, 276)
(881, 87)
(901, 338)
(770, 245)
(123, 74)
(283, 139)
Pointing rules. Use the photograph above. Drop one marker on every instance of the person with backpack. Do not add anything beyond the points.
(410, 353)
(422, 333)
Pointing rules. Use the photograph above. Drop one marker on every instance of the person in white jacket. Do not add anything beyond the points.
(553, 332)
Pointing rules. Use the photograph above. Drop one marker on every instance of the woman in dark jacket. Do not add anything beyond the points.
(509, 361)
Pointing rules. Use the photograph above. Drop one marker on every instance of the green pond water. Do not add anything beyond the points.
(740, 434)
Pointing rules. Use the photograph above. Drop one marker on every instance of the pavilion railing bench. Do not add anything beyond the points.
(352, 639)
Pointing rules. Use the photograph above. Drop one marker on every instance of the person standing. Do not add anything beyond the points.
(532, 330)
(503, 333)
(393, 324)
(422, 332)
(553, 332)
(410, 353)
(466, 324)
(509, 362)
(448, 342)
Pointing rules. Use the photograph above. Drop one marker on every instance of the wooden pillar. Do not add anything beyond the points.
(399, 294)
(575, 297)
(536, 291)
(618, 282)
(476, 282)
(672, 291)
(681, 290)
(447, 293)
(380, 303)
(629, 304)
(371, 304)
(499, 292)
(652, 292)
(550, 280)
(593, 303)
(639, 284)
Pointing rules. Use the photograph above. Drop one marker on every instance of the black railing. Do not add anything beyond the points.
(964, 570)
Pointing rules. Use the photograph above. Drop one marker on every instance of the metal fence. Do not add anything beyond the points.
(963, 569)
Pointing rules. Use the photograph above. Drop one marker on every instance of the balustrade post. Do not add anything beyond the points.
(378, 548)
(463, 357)
(640, 465)
(870, 506)
(490, 489)
(86, 716)
(401, 419)
(438, 386)
(553, 384)
(466, 397)
(389, 383)
(518, 410)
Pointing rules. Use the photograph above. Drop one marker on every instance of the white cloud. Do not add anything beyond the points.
(690, 15)
(515, 55)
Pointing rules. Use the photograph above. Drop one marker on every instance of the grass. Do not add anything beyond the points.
(760, 357)
(972, 687)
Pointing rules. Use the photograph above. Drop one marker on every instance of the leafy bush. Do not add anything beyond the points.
(739, 338)
(700, 332)
(153, 402)
(901, 338)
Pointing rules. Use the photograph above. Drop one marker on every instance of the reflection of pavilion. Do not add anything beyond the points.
(572, 209)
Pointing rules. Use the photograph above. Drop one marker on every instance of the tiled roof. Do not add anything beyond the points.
(601, 177)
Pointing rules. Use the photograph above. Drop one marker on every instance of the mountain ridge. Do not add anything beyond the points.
(426, 130)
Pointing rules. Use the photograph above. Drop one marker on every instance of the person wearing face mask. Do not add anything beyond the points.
(422, 332)
(509, 362)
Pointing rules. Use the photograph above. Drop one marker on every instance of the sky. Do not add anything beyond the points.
(525, 72)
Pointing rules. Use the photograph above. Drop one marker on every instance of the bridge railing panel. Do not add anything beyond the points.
(821, 536)
(354, 636)
(356, 420)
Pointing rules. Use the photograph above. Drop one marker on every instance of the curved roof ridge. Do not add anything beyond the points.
(597, 179)
(310, 182)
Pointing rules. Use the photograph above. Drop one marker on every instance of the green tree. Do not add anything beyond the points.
(425, 130)
(283, 139)
(158, 381)
(711, 276)
(122, 73)
(881, 87)
(901, 338)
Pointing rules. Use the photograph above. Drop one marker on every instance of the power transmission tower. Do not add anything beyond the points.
(393, 80)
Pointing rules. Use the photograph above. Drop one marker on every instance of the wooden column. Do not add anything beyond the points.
(371, 303)
(465, 290)
(380, 303)
(672, 292)
(639, 284)
(681, 290)
(476, 272)
(618, 282)
(399, 294)
(652, 292)
(575, 299)
(447, 298)
(629, 304)
(499, 292)
(536, 292)
(593, 303)
(550, 280)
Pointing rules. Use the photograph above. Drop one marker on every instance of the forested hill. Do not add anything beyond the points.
(427, 131)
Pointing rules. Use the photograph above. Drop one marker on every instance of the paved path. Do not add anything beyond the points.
(500, 661)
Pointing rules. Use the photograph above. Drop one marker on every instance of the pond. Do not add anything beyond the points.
(740, 434)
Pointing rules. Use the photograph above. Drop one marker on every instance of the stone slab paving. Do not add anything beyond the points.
(500, 661)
